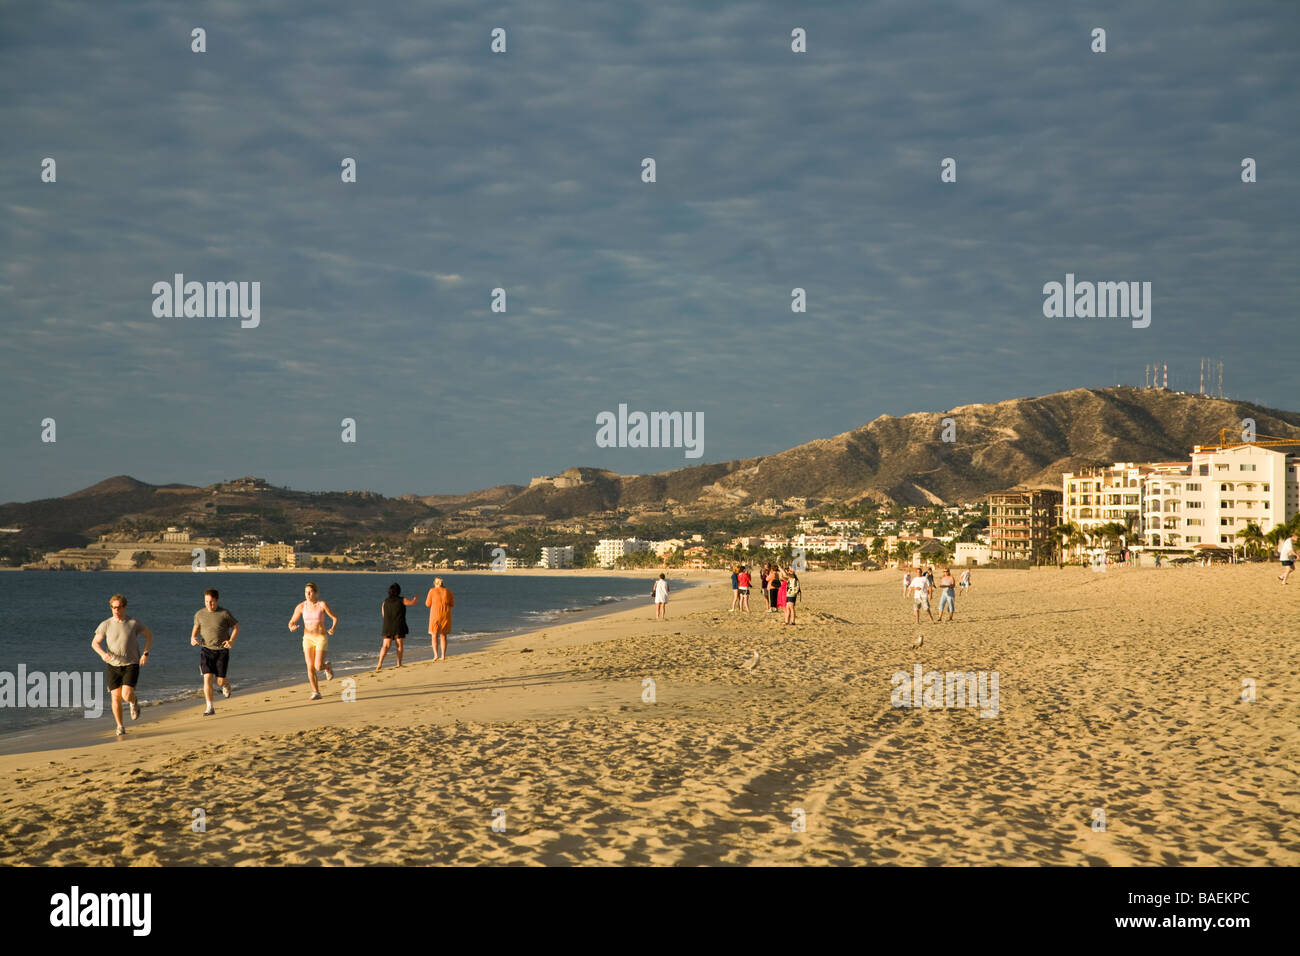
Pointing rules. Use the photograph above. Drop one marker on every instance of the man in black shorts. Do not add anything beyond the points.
(218, 629)
(117, 646)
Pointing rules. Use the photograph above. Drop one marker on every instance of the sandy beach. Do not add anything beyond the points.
(1119, 694)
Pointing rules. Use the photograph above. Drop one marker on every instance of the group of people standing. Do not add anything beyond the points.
(117, 641)
(780, 588)
(919, 586)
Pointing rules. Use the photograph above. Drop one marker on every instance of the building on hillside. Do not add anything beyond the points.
(561, 557)
(1020, 525)
(177, 535)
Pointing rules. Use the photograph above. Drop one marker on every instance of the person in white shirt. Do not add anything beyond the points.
(1287, 553)
(921, 600)
(661, 598)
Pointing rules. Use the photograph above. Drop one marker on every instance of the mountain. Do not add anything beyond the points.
(903, 459)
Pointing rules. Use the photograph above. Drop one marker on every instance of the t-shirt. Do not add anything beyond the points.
(1287, 551)
(661, 591)
(735, 581)
(920, 586)
(742, 579)
(120, 640)
(214, 626)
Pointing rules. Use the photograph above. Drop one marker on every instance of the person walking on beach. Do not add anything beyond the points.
(947, 595)
(661, 598)
(965, 581)
(773, 587)
(1286, 552)
(735, 587)
(742, 587)
(439, 602)
(315, 639)
(907, 582)
(116, 642)
(921, 600)
(792, 592)
(214, 633)
(393, 612)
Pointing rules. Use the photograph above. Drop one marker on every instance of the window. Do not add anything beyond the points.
(1196, 486)
(1225, 487)
(1192, 521)
(1193, 504)
(1225, 504)
(1192, 539)
(1223, 539)
(1245, 467)
(1224, 521)
(1266, 486)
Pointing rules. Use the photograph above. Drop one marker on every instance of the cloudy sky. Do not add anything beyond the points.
(522, 170)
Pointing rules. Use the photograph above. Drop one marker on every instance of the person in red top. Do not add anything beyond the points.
(743, 580)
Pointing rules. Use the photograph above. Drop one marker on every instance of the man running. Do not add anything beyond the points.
(117, 646)
(1287, 553)
(218, 629)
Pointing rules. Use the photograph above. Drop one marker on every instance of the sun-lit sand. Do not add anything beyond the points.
(1119, 694)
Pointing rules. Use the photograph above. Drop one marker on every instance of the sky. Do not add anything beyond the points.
(523, 170)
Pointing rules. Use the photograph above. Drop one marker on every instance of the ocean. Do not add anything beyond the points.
(48, 618)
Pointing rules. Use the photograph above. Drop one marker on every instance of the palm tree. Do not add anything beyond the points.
(1061, 534)
(1274, 537)
(1252, 538)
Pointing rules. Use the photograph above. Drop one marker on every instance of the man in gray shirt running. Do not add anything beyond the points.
(117, 646)
(218, 629)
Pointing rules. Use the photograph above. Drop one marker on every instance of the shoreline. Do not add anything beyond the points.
(73, 732)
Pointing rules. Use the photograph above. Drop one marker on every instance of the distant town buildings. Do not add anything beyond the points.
(253, 552)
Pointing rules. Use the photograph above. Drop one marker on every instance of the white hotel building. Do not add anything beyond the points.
(561, 557)
(1178, 506)
(609, 550)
